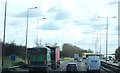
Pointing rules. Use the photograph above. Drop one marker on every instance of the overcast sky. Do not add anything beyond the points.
(67, 21)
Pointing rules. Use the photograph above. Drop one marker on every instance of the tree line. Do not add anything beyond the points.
(13, 49)
(69, 50)
(117, 53)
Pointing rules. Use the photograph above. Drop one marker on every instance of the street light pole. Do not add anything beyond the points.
(27, 31)
(96, 43)
(3, 45)
(100, 41)
(107, 33)
(37, 30)
(106, 37)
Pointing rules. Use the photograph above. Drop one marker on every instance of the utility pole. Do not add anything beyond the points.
(3, 45)
(27, 31)
(37, 32)
(100, 40)
(107, 33)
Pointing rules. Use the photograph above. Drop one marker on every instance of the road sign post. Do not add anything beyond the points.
(13, 58)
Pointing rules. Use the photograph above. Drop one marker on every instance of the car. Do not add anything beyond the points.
(71, 67)
(80, 60)
(84, 56)
(107, 59)
(115, 61)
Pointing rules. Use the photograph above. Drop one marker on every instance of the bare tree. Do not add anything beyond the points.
(55, 44)
(46, 44)
(38, 43)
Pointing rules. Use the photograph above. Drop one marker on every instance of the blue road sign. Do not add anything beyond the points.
(12, 57)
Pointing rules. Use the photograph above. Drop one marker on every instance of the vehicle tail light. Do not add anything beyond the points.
(52, 62)
(29, 62)
(45, 62)
(76, 66)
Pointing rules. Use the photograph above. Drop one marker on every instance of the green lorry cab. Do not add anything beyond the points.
(39, 59)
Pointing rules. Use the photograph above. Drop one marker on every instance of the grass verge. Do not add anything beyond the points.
(66, 58)
(8, 63)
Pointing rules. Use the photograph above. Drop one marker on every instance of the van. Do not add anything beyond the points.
(84, 57)
(93, 63)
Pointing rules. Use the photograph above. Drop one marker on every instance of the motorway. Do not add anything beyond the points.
(82, 67)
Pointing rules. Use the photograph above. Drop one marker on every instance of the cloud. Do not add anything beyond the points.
(71, 21)
(113, 3)
(17, 22)
(62, 15)
(87, 21)
(87, 32)
(88, 43)
(50, 26)
(31, 14)
(54, 9)
(95, 18)
(80, 22)
(97, 25)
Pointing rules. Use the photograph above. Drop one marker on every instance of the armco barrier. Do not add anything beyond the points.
(10, 68)
(111, 67)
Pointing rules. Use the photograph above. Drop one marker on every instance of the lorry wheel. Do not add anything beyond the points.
(87, 70)
(59, 65)
(48, 70)
(55, 67)
(98, 71)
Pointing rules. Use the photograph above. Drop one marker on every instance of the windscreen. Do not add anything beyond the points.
(71, 65)
(93, 60)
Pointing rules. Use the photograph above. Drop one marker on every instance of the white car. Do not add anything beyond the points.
(80, 60)
(107, 59)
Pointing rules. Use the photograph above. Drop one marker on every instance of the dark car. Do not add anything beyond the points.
(115, 61)
(71, 67)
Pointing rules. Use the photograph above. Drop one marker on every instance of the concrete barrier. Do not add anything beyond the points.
(119, 64)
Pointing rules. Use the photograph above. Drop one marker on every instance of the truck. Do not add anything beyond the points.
(93, 63)
(76, 56)
(55, 56)
(39, 59)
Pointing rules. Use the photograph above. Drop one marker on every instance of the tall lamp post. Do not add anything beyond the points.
(100, 38)
(107, 33)
(3, 45)
(27, 30)
(37, 29)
